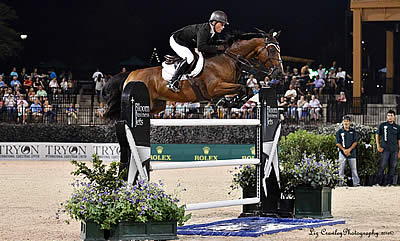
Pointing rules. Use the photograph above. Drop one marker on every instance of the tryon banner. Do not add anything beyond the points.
(111, 151)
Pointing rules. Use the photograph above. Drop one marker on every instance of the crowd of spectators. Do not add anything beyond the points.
(33, 96)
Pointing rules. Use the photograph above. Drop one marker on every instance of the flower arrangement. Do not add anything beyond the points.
(310, 171)
(104, 198)
(244, 176)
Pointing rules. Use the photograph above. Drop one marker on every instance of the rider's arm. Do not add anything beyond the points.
(203, 37)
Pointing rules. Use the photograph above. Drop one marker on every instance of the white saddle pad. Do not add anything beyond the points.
(168, 70)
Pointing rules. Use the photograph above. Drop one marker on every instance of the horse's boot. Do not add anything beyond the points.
(180, 70)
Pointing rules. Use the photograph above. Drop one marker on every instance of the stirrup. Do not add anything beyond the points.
(172, 87)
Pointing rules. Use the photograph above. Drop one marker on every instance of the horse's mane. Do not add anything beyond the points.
(235, 36)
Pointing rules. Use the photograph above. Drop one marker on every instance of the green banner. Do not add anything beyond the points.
(200, 152)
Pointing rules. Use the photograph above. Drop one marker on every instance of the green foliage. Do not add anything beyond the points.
(244, 176)
(106, 200)
(293, 146)
(310, 171)
(367, 157)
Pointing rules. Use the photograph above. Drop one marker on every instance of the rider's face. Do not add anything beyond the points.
(219, 27)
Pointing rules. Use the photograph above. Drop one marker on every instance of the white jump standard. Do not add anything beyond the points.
(133, 134)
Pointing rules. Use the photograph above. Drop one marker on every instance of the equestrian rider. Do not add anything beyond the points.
(195, 36)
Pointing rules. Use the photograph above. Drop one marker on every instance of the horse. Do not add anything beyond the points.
(218, 78)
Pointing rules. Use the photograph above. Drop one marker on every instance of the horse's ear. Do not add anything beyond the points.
(276, 34)
(261, 31)
(271, 31)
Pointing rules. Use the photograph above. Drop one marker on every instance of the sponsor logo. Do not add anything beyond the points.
(253, 150)
(66, 151)
(206, 156)
(159, 156)
(206, 150)
(159, 149)
(19, 151)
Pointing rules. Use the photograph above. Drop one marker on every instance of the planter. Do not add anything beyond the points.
(286, 208)
(313, 202)
(130, 231)
(249, 209)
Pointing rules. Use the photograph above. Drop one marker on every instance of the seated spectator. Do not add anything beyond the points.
(31, 95)
(100, 111)
(332, 80)
(236, 113)
(10, 104)
(41, 93)
(319, 85)
(15, 82)
(180, 110)
(38, 82)
(250, 83)
(23, 110)
(341, 78)
(52, 74)
(2, 83)
(72, 113)
(282, 106)
(256, 89)
(208, 111)
(302, 108)
(14, 72)
(48, 111)
(315, 108)
(291, 92)
(292, 106)
(247, 109)
(28, 83)
(9, 92)
(53, 85)
(321, 72)
(169, 110)
(64, 86)
(194, 108)
(36, 111)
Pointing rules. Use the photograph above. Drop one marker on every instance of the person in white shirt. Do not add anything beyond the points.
(251, 83)
(315, 107)
(321, 72)
(291, 92)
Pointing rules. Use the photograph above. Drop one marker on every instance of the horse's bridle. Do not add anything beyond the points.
(266, 47)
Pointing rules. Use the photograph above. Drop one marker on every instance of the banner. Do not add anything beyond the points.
(43, 151)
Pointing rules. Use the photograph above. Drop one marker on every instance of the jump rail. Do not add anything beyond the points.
(198, 164)
(205, 122)
(221, 204)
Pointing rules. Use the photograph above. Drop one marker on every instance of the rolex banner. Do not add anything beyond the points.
(200, 152)
(110, 151)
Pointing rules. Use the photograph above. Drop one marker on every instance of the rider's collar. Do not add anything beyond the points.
(212, 30)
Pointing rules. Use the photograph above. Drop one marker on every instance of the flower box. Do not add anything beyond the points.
(130, 231)
(249, 209)
(313, 202)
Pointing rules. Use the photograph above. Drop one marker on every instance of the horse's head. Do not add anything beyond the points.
(269, 53)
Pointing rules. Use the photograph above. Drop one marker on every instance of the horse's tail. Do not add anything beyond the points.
(111, 93)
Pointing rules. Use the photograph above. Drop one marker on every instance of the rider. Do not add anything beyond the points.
(195, 36)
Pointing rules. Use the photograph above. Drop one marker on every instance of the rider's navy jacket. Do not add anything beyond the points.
(196, 36)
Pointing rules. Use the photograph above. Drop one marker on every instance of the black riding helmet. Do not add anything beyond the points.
(219, 16)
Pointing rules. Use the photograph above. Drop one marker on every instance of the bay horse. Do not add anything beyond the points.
(219, 77)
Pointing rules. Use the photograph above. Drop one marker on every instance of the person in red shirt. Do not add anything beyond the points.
(28, 84)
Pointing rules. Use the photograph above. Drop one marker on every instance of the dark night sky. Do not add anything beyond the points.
(106, 32)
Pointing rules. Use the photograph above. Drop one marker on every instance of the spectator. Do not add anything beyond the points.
(251, 82)
(72, 113)
(256, 89)
(23, 73)
(388, 142)
(15, 82)
(169, 110)
(346, 141)
(123, 70)
(100, 111)
(52, 74)
(64, 86)
(247, 109)
(341, 105)
(180, 110)
(31, 95)
(23, 110)
(282, 106)
(341, 78)
(35, 73)
(321, 72)
(48, 111)
(41, 93)
(302, 108)
(71, 85)
(315, 108)
(14, 72)
(98, 79)
(319, 85)
(208, 111)
(8, 93)
(36, 111)
(38, 82)
(53, 85)
(10, 105)
(332, 80)
(2, 83)
(292, 106)
(291, 92)
(28, 83)
(333, 67)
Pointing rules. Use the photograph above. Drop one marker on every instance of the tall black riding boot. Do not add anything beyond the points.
(180, 70)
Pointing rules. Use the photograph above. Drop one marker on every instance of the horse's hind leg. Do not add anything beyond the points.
(157, 106)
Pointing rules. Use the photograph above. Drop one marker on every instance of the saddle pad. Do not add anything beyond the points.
(168, 70)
